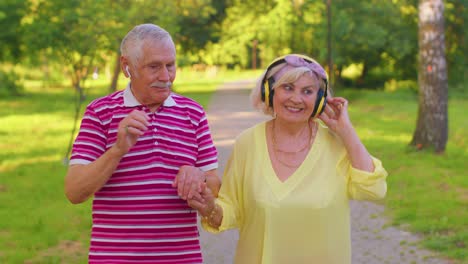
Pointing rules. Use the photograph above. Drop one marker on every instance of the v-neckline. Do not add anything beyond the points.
(282, 188)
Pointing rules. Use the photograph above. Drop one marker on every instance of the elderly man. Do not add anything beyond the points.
(142, 152)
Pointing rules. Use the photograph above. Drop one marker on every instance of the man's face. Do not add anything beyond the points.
(154, 70)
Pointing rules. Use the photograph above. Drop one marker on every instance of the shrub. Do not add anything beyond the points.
(394, 85)
(10, 84)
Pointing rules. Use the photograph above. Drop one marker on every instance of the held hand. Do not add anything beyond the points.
(335, 115)
(189, 181)
(130, 129)
(205, 203)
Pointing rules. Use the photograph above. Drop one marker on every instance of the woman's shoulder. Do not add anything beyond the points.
(252, 134)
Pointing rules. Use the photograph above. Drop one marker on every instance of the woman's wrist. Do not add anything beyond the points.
(212, 217)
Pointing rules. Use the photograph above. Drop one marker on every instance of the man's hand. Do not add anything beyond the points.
(189, 182)
(205, 203)
(130, 129)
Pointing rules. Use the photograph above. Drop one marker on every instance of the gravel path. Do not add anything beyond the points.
(373, 240)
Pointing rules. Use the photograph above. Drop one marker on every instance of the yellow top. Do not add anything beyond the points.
(304, 219)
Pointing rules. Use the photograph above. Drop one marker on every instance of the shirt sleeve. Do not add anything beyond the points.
(364, 185)
(90, 142)
(230, 196)
(207, 154)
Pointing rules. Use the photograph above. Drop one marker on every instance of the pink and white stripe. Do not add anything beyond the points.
(137, 215)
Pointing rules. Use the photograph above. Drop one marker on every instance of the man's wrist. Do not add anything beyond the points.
(116, 152)
(204, 176)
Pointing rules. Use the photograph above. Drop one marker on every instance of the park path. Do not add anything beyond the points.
(373, 240)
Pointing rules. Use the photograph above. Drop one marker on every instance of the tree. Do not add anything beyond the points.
(432, 123)
(71, 33)
(11, 13)
(375, 35)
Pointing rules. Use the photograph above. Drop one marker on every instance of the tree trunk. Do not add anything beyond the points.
(432, 124)
(115, 75)
(361, 80)
(329, 43)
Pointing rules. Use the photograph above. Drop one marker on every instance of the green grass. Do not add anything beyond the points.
(427, 194)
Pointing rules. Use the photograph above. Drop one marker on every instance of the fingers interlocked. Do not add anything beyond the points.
(189, 181)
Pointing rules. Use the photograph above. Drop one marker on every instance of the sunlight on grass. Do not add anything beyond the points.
(367, 134)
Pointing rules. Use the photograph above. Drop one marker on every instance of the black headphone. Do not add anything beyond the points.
(267, 85)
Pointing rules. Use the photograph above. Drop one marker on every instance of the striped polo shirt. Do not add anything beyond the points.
(137, 215)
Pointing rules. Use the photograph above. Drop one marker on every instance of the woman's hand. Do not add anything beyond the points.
(205, 203)
(335, 115)
(336, 118)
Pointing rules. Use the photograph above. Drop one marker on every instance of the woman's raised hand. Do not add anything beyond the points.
(335, 115)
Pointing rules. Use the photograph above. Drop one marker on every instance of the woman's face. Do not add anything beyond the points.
(294, 102)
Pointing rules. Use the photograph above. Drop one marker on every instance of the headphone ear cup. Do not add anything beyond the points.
(267, 92)
(323, 106)
(271, 82)
(320, 103)
(262, 91)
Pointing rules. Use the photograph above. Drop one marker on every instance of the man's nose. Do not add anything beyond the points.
(163, 74)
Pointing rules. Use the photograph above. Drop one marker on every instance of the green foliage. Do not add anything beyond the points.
(69, 32)
(76, 36)
(274, 27)
(203, 17)
(405, 85)
(376, 34)
(80, 35)
(455, 34)
(10, 84)
(11, 13)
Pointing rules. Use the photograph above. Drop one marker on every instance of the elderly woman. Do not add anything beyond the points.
(289, 180)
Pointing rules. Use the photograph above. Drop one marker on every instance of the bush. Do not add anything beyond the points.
(10, 84)
(407, 85)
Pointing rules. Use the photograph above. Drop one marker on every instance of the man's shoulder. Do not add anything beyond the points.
(112, 99)
(186, 102)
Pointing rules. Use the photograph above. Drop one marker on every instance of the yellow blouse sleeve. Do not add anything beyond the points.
(230, 196)
(363, 185)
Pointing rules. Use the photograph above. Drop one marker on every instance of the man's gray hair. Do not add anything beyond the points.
(132, 43)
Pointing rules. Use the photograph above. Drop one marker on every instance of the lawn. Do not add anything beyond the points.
(428, 193)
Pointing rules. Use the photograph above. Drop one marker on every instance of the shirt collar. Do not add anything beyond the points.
(131, 101)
